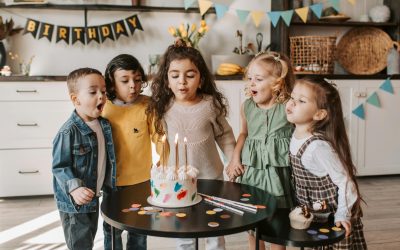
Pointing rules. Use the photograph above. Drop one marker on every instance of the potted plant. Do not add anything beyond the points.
(6, 29)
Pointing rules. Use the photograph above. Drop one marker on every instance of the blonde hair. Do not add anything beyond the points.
(279, 66)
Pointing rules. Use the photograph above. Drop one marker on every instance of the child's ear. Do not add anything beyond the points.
(320, 115)
(74, 99)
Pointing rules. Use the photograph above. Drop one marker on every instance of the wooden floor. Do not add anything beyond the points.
(33, 223)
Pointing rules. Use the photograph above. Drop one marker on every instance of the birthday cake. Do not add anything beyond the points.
(174, 187)
(300, 217)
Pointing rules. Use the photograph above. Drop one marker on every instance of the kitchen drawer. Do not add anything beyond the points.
(31, 124)
(44, 91)
(25, 172)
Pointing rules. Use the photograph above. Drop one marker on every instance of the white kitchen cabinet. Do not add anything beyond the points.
(375, 141)
(31, 113)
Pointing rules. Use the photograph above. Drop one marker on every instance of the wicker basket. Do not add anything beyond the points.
(363, 51)
(315, 54)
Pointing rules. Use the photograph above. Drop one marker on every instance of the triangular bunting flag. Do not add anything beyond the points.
(257, 16)
(220, 9)
(336, 4)
(317, 9)
(287, 16)
(204, 5)
(374, 100)
(303, 13)
(242, 14)
(274, 16)
(353, 2)
(188, 3)
(359, 111)
(387, 86)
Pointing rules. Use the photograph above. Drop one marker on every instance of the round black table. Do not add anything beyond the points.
(195, 224)
(279, 231)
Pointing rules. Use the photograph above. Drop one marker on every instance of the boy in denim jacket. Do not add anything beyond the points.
(83, 159)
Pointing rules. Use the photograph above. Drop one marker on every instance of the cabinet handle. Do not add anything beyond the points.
(27, 124)
(26, 91)
(28, 172)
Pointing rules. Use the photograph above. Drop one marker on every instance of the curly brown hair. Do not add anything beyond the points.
(279, 66)
(162, 94)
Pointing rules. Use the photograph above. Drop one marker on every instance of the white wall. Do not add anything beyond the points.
(59, 59)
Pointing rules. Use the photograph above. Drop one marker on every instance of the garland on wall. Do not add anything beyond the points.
(85, 35)
(373, 99)
(258, 15)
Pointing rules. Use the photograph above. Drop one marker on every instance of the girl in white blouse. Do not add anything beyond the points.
(323, 171)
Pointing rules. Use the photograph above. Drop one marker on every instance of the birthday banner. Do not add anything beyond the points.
(373, 99)
(258, 15)
(85, 35)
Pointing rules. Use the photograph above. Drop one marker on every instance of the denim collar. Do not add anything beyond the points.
(80, 124)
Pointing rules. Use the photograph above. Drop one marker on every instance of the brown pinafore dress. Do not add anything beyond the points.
(310, 188)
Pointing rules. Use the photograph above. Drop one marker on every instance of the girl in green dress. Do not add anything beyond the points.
(261, 156)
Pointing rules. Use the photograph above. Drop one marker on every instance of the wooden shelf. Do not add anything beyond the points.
(104, 7)
(346, 23)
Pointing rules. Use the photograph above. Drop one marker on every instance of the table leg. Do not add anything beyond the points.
(197, 243)
(112, 238)
(257, 239)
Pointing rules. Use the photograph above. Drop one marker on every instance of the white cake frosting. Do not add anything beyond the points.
(172, 187)
(299, 220)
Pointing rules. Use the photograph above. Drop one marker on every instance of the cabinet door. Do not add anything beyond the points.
(25, 172)
(234, 93)
(379, 133)
(348, 90)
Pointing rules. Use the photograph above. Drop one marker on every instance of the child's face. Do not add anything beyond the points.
(90, 97)
(260, 83)
(128, 84)
(302, 107)
(184, 80)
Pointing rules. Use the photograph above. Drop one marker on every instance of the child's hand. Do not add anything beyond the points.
(346, 225)
(234, 169)
(82, 195)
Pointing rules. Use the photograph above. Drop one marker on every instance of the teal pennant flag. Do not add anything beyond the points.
(359, 111)
(188, 4)
(374, 100)
(242, 14)
(336, 4)
(274, 16)
(387, 86)
(317, 9)
(220, 9)
(287, 16)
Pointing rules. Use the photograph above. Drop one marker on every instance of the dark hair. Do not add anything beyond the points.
(124, 62)
(162, 94)
(279, 66)
(332, 127)
(75, 75)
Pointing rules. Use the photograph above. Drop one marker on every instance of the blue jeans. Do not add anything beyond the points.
(79, 229)
(134, 241)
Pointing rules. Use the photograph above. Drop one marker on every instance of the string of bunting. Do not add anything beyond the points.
(373, 99)
(258, 15)
(85, 35)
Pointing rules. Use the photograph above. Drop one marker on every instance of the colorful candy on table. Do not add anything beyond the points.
(217, 214)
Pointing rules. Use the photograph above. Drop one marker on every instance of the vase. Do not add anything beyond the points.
(3, 55)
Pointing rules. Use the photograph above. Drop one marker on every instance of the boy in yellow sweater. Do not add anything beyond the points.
(133, 132)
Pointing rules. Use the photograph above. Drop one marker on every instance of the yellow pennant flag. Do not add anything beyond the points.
(204, 5)
(257, 16)
(303, 13)
(353, 2)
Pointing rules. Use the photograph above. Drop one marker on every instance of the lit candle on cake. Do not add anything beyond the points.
(176, 153)
(185, 141)
(163, 163)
